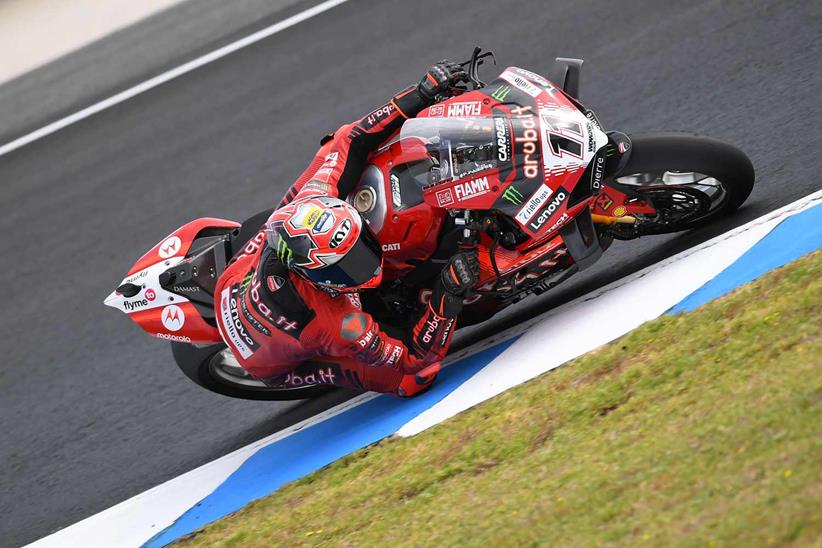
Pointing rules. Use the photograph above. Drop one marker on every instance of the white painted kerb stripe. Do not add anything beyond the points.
(169, 75)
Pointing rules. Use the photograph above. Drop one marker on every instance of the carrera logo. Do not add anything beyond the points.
(547, 211)
(173, 317)
(169, 247)
(472, 108)
(445, 197)
(533, 204)
(341, 234)
(503, 141)
(472, 189)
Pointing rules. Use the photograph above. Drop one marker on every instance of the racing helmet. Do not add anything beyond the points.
(325, 241)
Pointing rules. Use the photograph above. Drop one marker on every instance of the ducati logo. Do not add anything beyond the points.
(173, 317)
(169, 247)
(274, 283)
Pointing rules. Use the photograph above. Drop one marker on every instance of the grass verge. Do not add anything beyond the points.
(695, 429)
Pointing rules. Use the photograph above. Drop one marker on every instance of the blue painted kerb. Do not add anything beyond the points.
(319, 445)
(794, 237)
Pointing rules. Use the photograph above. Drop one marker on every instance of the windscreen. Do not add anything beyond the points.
(457, 147)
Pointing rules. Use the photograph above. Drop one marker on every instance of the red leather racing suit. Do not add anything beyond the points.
(285, 331)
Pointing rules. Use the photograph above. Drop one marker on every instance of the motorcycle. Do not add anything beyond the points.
(518, 167)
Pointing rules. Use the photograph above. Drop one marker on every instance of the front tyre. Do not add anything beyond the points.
(215, 369)
(690, 180)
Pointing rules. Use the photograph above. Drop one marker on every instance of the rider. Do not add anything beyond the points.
(288, 306)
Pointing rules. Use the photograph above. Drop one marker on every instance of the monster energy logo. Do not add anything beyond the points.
(247, 279)
(501, 92)
(283, 251)
(513, 195)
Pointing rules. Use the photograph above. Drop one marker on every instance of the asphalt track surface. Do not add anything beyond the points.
(93, 412)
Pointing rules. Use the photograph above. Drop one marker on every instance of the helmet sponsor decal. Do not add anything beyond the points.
(173, 317)
(341, 234)
(169, 247)
(324, 223)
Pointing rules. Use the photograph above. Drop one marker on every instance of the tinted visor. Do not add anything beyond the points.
(362, 263)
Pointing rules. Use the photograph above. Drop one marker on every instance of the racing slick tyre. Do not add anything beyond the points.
(215, 369)
(689, 179)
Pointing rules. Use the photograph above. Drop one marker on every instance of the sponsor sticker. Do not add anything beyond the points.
(503, 139)
(341, 234)
(472, 189)
(323, 223)
(150, 294)
(445, 197)
(175, 338)
(135, 304)
(469, 108)
(596, 175)
(533, 204)
(322, 175)
(546, 212)
(513, 195)
(230, 327)
(436, 110)
(378, 116)
(274, 283)
(604, 201)
(521, 83)
(173, 317)
(169, 247)
(619, 211)
(501, 92)
(391, 247)
(396, 195)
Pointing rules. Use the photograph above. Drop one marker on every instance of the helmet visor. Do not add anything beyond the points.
(361, 264)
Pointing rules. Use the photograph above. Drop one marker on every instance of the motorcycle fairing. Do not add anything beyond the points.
(159, 308)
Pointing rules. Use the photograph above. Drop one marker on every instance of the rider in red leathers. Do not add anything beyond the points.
(288, 306)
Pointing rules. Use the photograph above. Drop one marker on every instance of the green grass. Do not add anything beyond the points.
(697, 429)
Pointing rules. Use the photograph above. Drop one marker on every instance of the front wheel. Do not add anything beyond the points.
(689, 180)
(215, 369)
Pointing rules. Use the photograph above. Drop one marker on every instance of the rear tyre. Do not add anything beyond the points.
(215, 369)
(691, 180)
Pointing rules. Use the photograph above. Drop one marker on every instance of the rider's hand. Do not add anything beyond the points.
(440, 79)
(461, 273)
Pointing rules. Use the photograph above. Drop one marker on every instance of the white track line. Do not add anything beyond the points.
(169, 75)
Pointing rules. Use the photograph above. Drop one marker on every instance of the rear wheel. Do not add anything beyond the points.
(689, 180)
(215, 369)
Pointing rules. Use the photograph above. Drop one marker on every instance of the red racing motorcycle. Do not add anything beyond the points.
(518, 167)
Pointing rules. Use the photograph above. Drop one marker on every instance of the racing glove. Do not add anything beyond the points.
(432, 333)
(440, 79)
